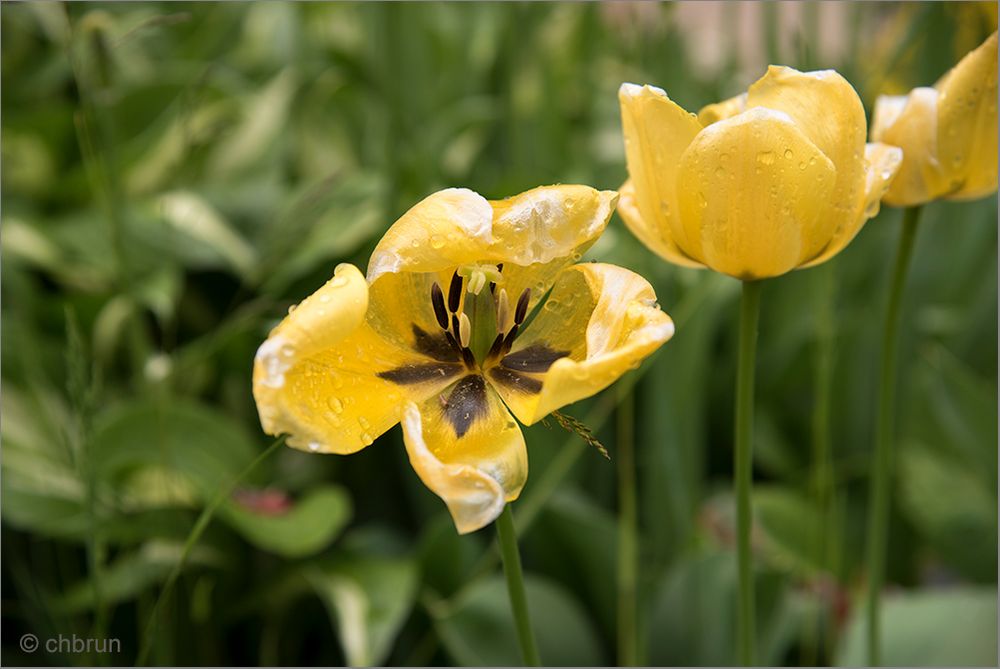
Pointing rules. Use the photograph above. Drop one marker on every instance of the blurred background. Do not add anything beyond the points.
(175, 176)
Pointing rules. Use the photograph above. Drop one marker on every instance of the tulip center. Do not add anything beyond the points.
(480, 325)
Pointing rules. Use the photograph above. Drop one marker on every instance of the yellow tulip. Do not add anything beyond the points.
(360, 355)
(948, 133)
(776, 179)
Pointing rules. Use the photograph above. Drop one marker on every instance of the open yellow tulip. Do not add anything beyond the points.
(948, 133)
(444, 335)
(773, 180)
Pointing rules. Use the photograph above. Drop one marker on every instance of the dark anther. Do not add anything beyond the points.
(455, 294)
(508, 341)
(493, 286)
(470, 360)
(455, 328)
(500, 268)
(495, 348)
(437, 299)
(454, 342)
(522, 307)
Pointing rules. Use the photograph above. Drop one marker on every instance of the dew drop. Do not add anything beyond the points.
(765, 157)
(287, 351)
(789, 153)
(802, 165)
(292, 308)
(437, 241)
(366, 439)
(324, 298)
(363, 422)
(338, 282)
(315, 446)
(720, 172)
(336, 405)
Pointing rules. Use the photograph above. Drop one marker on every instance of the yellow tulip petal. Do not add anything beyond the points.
(967, 124)
(475, 473)
(827, 109)
(655, 238)
(720, 111)
(755, 189)
(657, 131)
(534, 235)
(316, 376)
(445, 229)
(882, 162)
(540, 231)
(599, 322)
(910, 122)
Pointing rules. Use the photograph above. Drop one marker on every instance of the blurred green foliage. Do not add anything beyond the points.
(175, 176)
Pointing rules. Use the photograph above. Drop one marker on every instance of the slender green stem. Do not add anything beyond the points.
(199, 527)
(515, 587)
(628, 554)
(822, 458)
(878, 508)
(743, 468)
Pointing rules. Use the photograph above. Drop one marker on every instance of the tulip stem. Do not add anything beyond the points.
(628, 554)
(878, 509)
(743, 467)
(515, 587)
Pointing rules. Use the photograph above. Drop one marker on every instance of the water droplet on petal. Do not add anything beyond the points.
(789, 153)
(336, 404)
(315, 446)
(437, 241)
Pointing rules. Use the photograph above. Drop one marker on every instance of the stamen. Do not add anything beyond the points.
(493, 284)
(437, 300)
(508, 341)
(470, 360)
(464, 330)
(456, 328)
(522, 307)
(503, 311)
(455, 293)
(495, 348)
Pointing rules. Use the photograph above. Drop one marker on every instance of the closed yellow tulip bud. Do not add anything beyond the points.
(948, 133)
(773, 180)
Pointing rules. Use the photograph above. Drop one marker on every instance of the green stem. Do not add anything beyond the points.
(515, 587)
(628, 646)
(822, 459)
(199, 527)
(878, 511)
(743, 467)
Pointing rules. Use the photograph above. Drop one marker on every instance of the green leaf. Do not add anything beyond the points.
(693, 617)
(953, 507)
(478, 628)
(955, 627)
(181, 436)
(790, 526)
(308, 527)
(368, 599)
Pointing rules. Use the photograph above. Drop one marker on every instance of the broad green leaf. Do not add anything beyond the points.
(477, 629)
(197, 220)
(309, 526)
(368, 599)
(693, 616)
(204, 446)
(925, 628)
